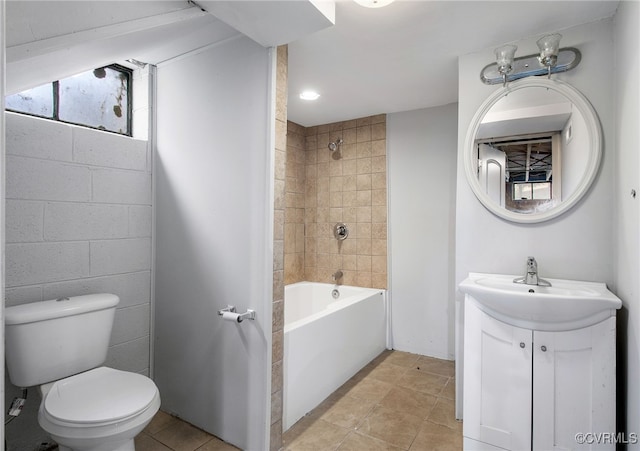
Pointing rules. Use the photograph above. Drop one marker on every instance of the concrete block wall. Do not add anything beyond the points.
(78, 221)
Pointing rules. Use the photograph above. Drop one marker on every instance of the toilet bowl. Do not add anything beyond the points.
(99, 410)
(59, 345)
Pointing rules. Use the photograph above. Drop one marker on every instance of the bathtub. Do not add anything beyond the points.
(327, 341)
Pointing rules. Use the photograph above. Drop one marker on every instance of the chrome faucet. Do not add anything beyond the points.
(337, 275)
(531, 275)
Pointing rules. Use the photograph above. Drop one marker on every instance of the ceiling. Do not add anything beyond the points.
(405, 56)
(397, 58)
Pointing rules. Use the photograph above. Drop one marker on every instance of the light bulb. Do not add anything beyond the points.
(504, 58)
(549, 46)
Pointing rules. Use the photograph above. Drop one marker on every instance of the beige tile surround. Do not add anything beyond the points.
(294, 219)
(324, 188)
(277, 325)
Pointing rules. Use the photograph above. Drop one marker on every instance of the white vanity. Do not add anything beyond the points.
(538, 361)
(539, 364)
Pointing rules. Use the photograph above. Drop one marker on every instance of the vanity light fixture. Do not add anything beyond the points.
(309, 95)
(551, 59)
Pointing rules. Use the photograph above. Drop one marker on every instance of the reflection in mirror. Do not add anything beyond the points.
(532, 150)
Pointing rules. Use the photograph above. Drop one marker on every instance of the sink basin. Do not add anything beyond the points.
(565, 305)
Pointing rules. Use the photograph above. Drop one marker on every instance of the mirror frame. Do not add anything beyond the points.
(593, 159)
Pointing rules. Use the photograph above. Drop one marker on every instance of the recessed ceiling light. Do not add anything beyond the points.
(309, 95)
(373, 3)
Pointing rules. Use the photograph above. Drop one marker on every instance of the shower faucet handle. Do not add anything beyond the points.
(340, 231)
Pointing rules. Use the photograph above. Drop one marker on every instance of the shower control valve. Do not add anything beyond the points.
(340, 231)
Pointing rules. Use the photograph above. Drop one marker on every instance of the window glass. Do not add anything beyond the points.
(542, 191)
(522, 191)
(99, 99)
(529, 191)
(37, 101)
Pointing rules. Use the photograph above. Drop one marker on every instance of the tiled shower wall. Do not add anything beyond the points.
(348, 185)
(294, 239)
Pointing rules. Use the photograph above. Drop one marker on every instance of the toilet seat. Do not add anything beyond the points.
(98, 397)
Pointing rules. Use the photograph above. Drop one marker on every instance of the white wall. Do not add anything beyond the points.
(627, 223)
(214, 238)
(2, 218)
(421, 149)
(573, 150)
(579, 244)
(78, 221)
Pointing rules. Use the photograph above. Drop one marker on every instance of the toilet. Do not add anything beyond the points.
(60, 345)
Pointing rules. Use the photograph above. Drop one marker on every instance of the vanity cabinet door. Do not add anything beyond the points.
(574, 386)
(497, 381)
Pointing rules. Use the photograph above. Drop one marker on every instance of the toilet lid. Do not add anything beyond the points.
(99, 395)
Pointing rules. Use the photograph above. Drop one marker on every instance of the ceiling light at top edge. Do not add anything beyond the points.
(309, 95)
(373, 3)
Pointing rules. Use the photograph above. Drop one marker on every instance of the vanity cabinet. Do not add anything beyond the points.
(531, 389)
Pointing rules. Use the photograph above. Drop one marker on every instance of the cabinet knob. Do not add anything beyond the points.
(544, 348)
(522, 344)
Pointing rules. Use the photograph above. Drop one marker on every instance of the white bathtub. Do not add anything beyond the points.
(327, 341)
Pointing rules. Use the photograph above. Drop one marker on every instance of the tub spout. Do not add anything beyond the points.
(337, 275)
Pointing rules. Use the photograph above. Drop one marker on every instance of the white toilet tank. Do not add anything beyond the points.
(50, 340)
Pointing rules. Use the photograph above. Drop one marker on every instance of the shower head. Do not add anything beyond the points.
(335, 145)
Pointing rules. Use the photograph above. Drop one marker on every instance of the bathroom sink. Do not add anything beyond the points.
(566, 304)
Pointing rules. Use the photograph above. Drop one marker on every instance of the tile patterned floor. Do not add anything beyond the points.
(168, 433)
(400, 401)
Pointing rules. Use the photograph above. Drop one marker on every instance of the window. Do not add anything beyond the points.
(530, 179)
(99, 99)
(532, 191)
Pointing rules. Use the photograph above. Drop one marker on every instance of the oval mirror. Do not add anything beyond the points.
(532, 150)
